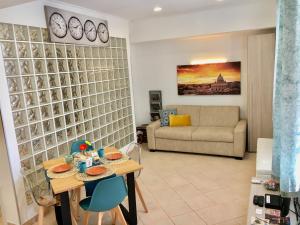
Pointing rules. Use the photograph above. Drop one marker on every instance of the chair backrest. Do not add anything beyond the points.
(108, 194)
(36, 189)
(91, 185)
(134, 151)
(76, 144)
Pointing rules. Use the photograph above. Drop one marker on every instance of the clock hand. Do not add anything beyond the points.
(76, 26)
(58, 24)
(90, 30)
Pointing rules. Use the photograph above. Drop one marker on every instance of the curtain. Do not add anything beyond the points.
(286, 110)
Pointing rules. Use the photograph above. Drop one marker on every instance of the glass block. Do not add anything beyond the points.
(66, 93)
(60, 51)
(77, 104)
(74, 78)
(72, 65)
(84, 90)
(62, 65)
(19, 118)
(17, 101)
(96, 64)
(88, 126)
(68, 107)
(53, 80)
(75, 92)
(103, 63)
(21, 33)
(69, 118)
(111, 85)
(22, 134)
(61, 136)
(37, 50)
(78, 117)
(114, 53)
(80, 129)
(6, 31)
(33, 114)
(102, 52)
(49, 50)
(103, 131)
(45, 35)
(89, 64)
(40, 174)
(36, 130)
(48, 126)
(96, 134)
(85, 102)
(51, 66)
(11, 67)
(101, 109)
(87, 115)
(27, 164)
(25, 150)
(82, 77)
(115, 63)
(99, 87)
(71, 132)
(41, 81)
(8, 49)
(94, 111)
(98, 144)
(35, 34)
(39, 66)
(39, 159)
(63, 149)
(124, 54)
(95, 52)
(31, 99)
(87, 52)
(79, 51)
(98, 76)
(90, 76)
(114, 116)
(55, 95)
(104, 142)
(44, 97)
(92, 89)
(108, 118)
(26, 67)
(14, 84)
(57, 109)
(64, 79)
(70, 51)
(105, 86)
(81, 65)
(107, 108)
(115, 126)
(50, 140)
(95, 123)
(59, 122)
(28, 83)
(52, 153)
(89, 136)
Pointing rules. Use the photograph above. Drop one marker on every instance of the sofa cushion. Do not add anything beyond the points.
(175, 133)
(192, 110)
(216, 134)
(164, 116)
(219, 116)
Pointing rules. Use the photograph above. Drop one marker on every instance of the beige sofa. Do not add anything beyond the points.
(215, 130)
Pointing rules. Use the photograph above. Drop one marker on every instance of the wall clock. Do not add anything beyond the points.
(90, 30)
(58, 25)
(75, 28)
(68, 27)
(103, 33)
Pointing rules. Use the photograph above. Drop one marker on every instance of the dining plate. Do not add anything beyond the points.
(96, 170)
(114, 156)
(62, 168)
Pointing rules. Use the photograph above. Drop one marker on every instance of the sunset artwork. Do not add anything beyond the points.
(209, 79)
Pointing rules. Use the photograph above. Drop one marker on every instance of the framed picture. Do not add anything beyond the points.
(209, 79)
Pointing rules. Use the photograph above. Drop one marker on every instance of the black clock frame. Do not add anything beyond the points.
(107, 32)
(74, 17)
(86, 33)
(64, 21)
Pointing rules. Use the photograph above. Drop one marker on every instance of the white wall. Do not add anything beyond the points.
(32, 14)
(154, 68)
(257, 14)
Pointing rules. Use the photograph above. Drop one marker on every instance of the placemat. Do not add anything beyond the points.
(85, 177)
(69, 173)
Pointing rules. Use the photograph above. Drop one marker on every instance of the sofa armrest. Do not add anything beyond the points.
(151, 133)
(239, 139)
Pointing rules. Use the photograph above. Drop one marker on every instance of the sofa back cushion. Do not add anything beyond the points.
(219, 116)
(192, 110)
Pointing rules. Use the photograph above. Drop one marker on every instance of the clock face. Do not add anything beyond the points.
(103, 33)
(58, 25)
(90, 30)
(75, 27)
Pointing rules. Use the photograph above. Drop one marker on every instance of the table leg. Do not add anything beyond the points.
(131, 199)
(65, 208)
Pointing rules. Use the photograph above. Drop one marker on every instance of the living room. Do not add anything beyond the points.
(151, 113)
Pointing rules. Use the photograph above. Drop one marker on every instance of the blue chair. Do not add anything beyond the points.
(107, 196)
(76, 144)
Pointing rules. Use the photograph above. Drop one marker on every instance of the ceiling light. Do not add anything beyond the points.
(157, 9)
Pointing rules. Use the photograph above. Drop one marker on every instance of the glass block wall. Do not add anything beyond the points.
(63, 92)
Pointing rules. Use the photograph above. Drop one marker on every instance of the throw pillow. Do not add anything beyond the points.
(180, 120)
(164, 116)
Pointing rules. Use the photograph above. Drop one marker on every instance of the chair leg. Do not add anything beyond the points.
(120, 215)
(78, 197)
(74, 221)
(100, 215)
(138, 190)
(113, 216)
(41, 215)
(86, 218)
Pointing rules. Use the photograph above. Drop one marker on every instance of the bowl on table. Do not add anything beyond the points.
(62, 168)
(96, 170)
(114, 156)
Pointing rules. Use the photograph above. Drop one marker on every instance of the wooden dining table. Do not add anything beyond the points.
(62, 186)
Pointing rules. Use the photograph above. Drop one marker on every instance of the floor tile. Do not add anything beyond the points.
(188, 219)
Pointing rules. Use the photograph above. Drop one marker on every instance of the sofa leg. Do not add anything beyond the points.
(238, 158)
(152, 150)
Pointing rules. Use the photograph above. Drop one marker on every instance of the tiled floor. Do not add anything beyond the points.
(189, 189)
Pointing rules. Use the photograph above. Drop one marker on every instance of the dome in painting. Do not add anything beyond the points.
(220, 79)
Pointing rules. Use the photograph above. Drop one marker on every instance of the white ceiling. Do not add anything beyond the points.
(137, 9)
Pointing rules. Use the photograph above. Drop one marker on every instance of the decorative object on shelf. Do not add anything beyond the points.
(68, 27)
(155, 104)
(209, 79)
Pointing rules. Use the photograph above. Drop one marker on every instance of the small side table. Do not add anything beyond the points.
(141, 132)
